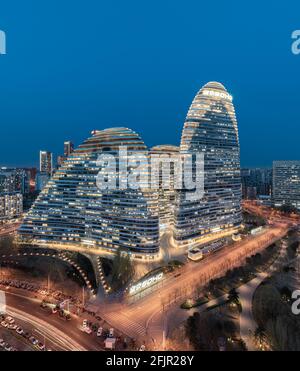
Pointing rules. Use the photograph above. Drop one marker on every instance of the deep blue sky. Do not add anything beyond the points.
(74, 66)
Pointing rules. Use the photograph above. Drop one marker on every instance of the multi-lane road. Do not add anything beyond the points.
(8, 229)
(146, 318)
(58, 333)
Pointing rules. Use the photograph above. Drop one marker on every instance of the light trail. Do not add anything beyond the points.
(52, 333)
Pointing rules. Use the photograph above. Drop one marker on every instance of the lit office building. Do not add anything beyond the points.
(256, 182)
(286, 183)
(14, 180)
(46, 162)
(211, 128)
(166, 192)
(11, 206)
(73, 209)
(68, 148)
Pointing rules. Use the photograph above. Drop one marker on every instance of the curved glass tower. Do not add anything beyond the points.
(211, 128)
(72, 209)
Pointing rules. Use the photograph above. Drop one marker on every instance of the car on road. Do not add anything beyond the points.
(41, 346)
(33, 340)
(19, 331)
(2, 343)
(100, 331)
(111, 332)
(88, 330)
(8, 347)
(4, 324)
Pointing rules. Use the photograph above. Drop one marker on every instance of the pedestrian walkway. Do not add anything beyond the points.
(125, 325)
(246, 292)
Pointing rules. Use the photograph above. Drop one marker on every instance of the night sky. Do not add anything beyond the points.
(74, 66)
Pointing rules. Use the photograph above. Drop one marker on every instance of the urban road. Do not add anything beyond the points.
(147, 319)
(9, 229)
(61, 334)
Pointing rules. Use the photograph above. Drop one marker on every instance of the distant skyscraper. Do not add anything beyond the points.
(68, 148)
(73, 210)
(10, 181)
(211, 128)
(46, 162)
(166, 186)
(256, 182)
(14, 180)
(286, 183)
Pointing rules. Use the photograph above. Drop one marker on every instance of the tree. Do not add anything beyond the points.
(122, 271)
(287, 209)
(260, 335)
(233, 297)
(286, 294)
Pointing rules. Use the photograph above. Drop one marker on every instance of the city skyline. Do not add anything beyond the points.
(149, 179)
(57, 149)
(82, 204)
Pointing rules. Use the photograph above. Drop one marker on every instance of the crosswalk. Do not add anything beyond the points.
(125, 325)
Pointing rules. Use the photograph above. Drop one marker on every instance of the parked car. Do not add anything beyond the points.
(12, 327)
(8, 347)
(100, 331)
(19, 330)
(10, 320)
(88, 330)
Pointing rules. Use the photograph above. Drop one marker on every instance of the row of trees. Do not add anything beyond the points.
(275, 318)
(122, 270)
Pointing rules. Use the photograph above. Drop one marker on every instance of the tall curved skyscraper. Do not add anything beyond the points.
(72, 209)
(211, 128)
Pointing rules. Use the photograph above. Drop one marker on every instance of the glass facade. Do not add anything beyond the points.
(286, 183)
(46, 162)
(11, 206)
(73, 209)
(166, 191)
(211, 128)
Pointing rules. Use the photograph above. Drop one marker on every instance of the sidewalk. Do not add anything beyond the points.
(246, 292)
